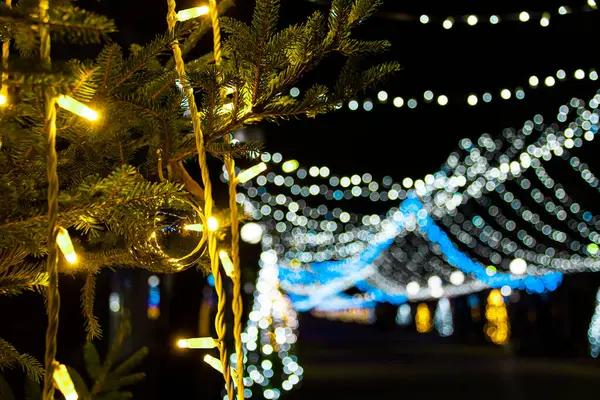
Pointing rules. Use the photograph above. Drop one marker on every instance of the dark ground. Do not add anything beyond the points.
(362, 364)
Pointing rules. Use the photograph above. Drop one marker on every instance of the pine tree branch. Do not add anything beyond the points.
(88, 295)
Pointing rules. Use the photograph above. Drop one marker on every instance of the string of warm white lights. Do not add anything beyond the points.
(472, 99)
(542, 18)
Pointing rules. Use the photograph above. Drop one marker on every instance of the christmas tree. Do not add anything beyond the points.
(97, 154)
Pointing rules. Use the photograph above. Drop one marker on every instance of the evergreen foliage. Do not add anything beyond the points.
(112, 171)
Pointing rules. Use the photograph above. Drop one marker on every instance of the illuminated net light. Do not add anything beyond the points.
(497, 328)
(594, 330)
(62, 380)
(213, 362)
(382, 96)
(487, 97)
(434, 281)
(593, 249)
(442, 320)
(324, 172)
(412, 288)
(505, 94)
(63, 240)
(545, 20)
(472, 20)
(251, 233)
(407, 183)
(423, 319)
(313, 171)
(353, 105)
(398, 102)
(472, 100)
(442, 100)
(403, 315)
(589, 136)
(424, 19)
(212, 224)
(428, 95)
(290, 166)
(505, 290)
(524, 16)
(368, 105)
(412, 103)
(549, 81)
(561, 74)
(251, 172)
(562, 10)
(69, 103)
(518, 266)
(579, 74)
(593, 75)
(494, 19)
(457, 278)
(294, 92)
(197, 343)
(191, 13)
(448, 23)
(114, 302)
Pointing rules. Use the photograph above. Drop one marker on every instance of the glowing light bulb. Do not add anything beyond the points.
(545, 21)
(66, 246)
(213, 362)
(457, 278)
(407, 183)
(442, 100)
(505, 94)
(579, 74)
(382, 96)
(194, 227)
(592, 4)
(448, 22)
(434, 281)
(494, 19)
(472, 100)
(63, 382)
(227, 264)
(413, 288)
(251, 233)
(197, 343)
(534, 81)
(398, 102)
(593, 248)
(550, 81)
(290, 166)
(213, 224)
(562, 10)
(69, 103)
(251, 172)
(524, 16)
(472, 20)
(424, 19)
(3, 96)
(518, 266)
(190, 13)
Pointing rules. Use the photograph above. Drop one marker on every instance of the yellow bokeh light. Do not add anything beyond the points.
(290, 166)
(251, 172)
(197, 343)
(63, 382)
(497, 328)
(423, 318)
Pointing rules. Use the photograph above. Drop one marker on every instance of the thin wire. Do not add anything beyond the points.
(220, 325)
(237, 303)
(53, 301)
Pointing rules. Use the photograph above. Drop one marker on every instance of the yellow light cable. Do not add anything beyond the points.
(5, 54)
(53, 296)
(237, 302)
(220, 326)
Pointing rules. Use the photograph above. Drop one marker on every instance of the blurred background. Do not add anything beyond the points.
(376, 351)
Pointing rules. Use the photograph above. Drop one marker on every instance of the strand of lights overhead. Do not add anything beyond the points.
(541, 18)
(442, 319)
(363, 316)
(471, 99)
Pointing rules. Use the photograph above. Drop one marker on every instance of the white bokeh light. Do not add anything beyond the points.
(251, 233)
